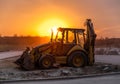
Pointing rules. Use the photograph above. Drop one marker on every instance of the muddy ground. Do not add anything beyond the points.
(10, 71)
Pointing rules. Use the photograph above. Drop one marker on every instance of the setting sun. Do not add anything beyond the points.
(45, 27)
(54, 29)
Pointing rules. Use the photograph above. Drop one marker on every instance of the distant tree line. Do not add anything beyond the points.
(108, 42)
(23, 40)
(29, 40)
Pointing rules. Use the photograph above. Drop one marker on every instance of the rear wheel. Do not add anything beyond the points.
(46, 62)
(77, 59)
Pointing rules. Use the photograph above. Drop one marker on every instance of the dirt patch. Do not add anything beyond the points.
(10, 71)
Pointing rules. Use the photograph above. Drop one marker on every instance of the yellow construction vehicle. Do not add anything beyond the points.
(71, 46)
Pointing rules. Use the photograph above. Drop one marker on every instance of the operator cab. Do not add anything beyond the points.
(70, 35)
(66, 38)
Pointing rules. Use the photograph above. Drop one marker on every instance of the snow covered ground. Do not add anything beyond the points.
(107, 51)
(111, 79)
(10, 71)
(113, 59)
(9, 54)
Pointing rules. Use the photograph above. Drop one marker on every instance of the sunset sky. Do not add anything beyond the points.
(37, 17)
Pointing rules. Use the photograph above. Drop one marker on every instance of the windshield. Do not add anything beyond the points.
(58, 36)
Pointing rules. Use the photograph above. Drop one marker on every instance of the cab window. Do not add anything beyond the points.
(80, 39)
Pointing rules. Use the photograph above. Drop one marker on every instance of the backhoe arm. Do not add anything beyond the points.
(90, 41)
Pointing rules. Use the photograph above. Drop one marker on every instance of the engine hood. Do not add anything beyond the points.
(42, 47)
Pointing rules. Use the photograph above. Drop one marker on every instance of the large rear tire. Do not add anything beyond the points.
(46, 62)
(77, 59)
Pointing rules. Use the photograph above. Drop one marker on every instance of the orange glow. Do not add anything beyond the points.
(54, 29)
(44, 29)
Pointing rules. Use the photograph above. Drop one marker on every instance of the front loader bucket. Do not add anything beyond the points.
(26, 61)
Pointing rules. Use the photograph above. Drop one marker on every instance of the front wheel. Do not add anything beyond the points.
(46, 62)
(77, 59)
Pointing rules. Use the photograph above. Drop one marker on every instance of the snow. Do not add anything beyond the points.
(107, 51)
(8, 54)
(108, 79)
(113, 59)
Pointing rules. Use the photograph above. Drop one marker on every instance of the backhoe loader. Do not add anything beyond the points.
(73, 47)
